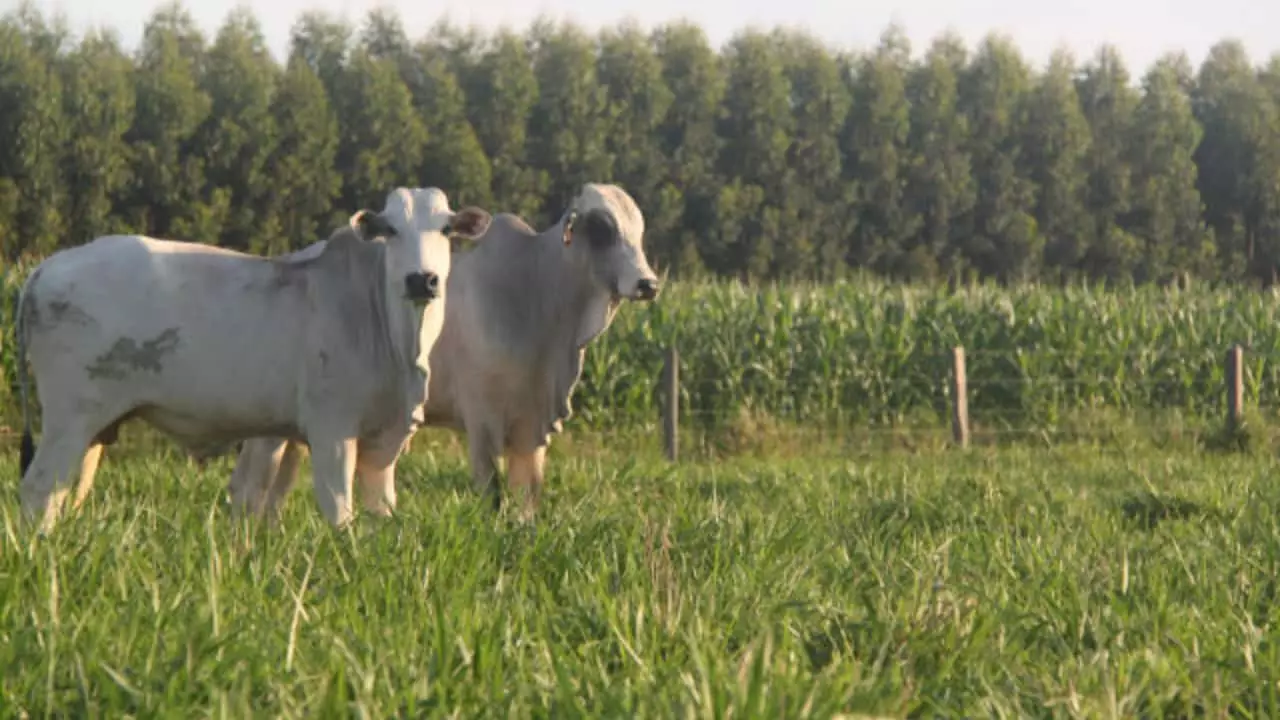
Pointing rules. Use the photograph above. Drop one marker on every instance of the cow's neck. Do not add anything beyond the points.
(389, 336)
(578, 312)
(406, 324)
(587, 307)
(404, 328)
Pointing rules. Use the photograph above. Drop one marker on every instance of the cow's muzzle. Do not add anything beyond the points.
(422, 287)
(646, 289)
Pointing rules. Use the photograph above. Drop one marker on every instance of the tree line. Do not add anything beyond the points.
(773, 157)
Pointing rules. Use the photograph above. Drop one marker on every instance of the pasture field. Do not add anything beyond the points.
(1127, 580)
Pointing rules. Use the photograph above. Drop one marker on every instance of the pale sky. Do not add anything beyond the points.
(1141, 29)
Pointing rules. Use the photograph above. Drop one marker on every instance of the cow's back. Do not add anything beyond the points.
(135, 322)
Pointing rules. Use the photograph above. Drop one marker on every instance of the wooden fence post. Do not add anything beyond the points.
(959, 398)
(1235, 387)
(671, 404)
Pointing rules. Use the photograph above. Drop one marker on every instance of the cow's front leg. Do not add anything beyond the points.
(375, 473)
(333, 466)
(524, 477)
(484, 463)
(284, 478)
(377, 488)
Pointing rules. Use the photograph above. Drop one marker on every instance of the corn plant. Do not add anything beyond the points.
(871, 353)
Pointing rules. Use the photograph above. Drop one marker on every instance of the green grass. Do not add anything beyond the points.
(1069, 581)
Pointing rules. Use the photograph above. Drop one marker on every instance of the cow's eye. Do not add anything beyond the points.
(447, 230)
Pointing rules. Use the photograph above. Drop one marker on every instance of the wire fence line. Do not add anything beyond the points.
(1002, 394)
(1027, 402)
(962, 393)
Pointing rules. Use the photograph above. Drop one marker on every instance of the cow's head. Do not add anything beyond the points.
(416, 225)
(604, 229)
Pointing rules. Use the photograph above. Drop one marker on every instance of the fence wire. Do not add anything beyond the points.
(1008, 398)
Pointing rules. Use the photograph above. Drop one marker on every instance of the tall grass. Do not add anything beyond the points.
(1029, 583)
(868, 353)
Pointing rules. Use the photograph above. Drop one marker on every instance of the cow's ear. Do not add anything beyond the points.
(600, 229)
(470, 222)
(370, 225)
(569, 222)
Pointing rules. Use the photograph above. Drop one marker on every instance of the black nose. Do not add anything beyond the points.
(647, 289)
(422, 286)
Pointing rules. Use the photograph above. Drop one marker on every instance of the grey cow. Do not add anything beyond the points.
(521, 308)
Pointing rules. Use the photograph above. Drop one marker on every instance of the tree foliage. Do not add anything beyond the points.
(774, 157)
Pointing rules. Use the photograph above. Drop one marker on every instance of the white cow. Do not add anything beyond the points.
(326, 346)
(522, 307)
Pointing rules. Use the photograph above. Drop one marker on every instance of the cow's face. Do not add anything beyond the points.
(606, 230)
(418, 252)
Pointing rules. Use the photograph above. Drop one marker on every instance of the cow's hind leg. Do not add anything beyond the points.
(333, 465)
(88, 471)
(524, 478)
(93, 458)
(58, 463)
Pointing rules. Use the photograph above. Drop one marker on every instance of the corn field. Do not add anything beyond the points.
(878, 354)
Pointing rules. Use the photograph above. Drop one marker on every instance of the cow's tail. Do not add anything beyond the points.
(27, 452)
